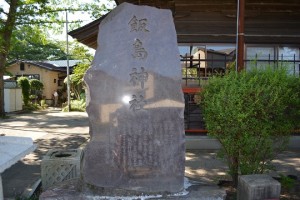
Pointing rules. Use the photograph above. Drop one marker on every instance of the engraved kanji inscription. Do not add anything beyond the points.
(139, 51)
(134, 79)
(138, 24)
(138, 77)
(137, 102)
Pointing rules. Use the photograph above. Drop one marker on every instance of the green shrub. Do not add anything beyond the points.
(23, 82)
(43, 104)
(31, 107)
(32, 97)
(76, 105)
(36, 87)
(251, 114)
(287, 183)
(36, 84)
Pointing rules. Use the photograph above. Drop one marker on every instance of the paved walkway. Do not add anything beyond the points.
(53, 129)
(50, 129)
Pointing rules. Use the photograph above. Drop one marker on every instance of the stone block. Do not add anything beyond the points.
(135, 104)
(258, 187)
(60, 165)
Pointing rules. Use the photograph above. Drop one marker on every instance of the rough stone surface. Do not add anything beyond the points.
(257, 187)
(75, 190)
(135, 103)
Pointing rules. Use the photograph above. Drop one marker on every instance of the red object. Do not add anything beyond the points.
(191, 90)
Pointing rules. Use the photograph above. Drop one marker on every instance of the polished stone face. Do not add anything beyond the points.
(135, 103)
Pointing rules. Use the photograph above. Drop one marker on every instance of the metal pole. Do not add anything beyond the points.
(68, 71)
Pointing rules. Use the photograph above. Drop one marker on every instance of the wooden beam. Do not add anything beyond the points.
(240, 35)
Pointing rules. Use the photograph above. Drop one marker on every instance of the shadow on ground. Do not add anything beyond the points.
(50, 130)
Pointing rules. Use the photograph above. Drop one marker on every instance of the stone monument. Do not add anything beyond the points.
(135, 104)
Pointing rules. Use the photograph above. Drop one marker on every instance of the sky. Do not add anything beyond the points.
(3, 5)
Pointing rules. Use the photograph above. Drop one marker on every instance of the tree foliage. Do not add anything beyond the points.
(31, 43)
(36, 84)
(252, 115)
(44, 13)
(77, 84)
(76, 80)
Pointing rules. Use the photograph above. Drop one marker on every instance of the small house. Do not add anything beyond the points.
(50, 73)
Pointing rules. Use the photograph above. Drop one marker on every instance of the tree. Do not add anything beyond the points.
(79, 52)
(251, 114)
(42, 12)
(76, 79)
(31, 43)
(5, 36)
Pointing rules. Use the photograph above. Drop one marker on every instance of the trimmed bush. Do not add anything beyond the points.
(252, 115)
(23, 82)
(36, 84)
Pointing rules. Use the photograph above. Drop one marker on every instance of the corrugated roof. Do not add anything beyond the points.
(63, 63)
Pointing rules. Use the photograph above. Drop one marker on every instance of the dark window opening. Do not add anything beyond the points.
(22, 67)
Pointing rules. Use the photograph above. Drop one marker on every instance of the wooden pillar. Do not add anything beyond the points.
(240, 34)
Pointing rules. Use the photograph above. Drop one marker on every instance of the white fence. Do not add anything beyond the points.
(12, 99)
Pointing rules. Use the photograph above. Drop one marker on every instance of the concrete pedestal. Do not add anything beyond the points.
(75, 189)
(257, 187)
(60, 165)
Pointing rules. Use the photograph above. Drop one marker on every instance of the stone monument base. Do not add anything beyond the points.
(75, 189)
